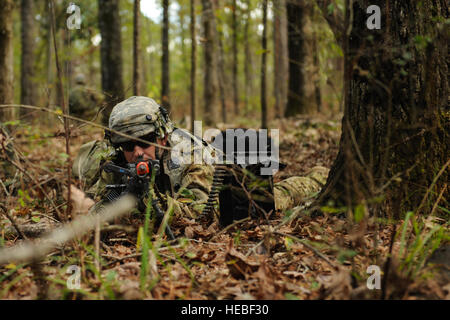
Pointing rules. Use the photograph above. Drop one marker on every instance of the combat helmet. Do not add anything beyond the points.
(137, 117)
(80, 79)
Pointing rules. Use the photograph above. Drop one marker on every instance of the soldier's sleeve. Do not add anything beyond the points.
(196, 182)
(86, 167)
(293, 191)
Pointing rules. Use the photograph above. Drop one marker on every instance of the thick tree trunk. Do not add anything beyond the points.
(136, 47)
(296, 94)
(6, 58)
(210, 65)
(395, 130)
(165, 72)
(111, 54)
(27, 93)
(263, 69)
(281, 75)
(235, 60)
(193, 62)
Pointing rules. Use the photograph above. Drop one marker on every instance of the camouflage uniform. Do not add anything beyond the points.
(293, 191)
(190, 183)
(83, 101)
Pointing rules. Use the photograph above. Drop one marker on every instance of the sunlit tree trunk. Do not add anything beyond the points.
(396, 124)
(111, 54)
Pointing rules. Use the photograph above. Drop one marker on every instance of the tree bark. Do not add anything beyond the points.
(136, 49)
(111, 54)
(210, 65)
(235, 60)
(193, 62)
(316, 63)
(221, 78)
(281, 76)
(395, 129)
(6, 58)
(165, 74)
(296, 95)
(263, 69)
(247, 64)
(27, 93)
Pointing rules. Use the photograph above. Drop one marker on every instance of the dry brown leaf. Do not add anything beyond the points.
(238, 264)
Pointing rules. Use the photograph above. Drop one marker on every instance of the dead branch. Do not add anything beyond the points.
(31, 251)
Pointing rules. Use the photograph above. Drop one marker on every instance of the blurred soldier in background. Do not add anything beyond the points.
(84, 102)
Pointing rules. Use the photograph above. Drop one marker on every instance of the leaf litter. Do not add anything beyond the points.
(248, 261)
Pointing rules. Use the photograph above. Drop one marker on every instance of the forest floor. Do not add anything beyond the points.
(290, 256)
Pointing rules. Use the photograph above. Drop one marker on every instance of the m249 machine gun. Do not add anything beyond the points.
(138, 178)
(240, 186)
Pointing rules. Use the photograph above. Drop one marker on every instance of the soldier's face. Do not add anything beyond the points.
(146, 153)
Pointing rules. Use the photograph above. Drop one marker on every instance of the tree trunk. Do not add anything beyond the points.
(247, 64)
(316, 64)
(281, 75)
(395, 129)
(49, 58)
(165, 74)
(111, 54)
(221, 79)
(263, 69)
(296, 94)
(193, 62)
(136, 49)
(235, 61)
(27, 93)
(210, 65)
(6, 58)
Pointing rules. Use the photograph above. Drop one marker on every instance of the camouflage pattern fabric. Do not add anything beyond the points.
(138, 116)
(293, 191)
(84, 102)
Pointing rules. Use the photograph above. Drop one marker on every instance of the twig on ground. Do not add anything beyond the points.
(306, 244)
(13, 222)
(234, 224)
(79, 226)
